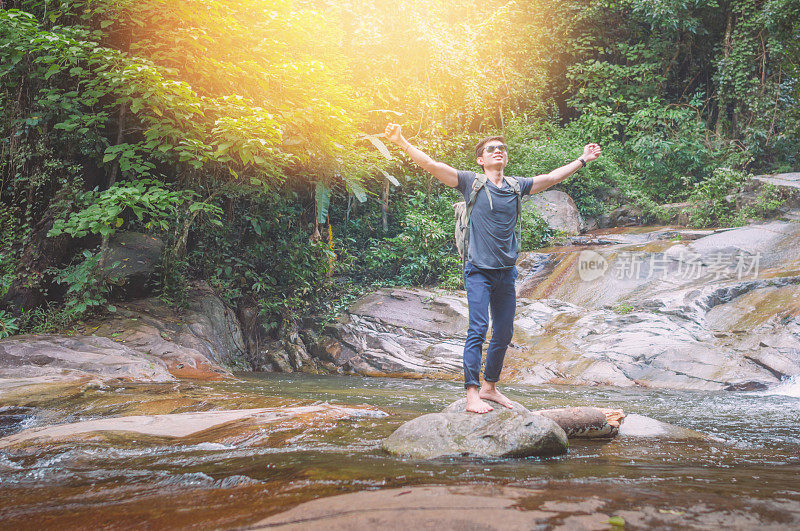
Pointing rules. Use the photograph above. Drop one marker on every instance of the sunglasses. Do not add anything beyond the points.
(496, 147)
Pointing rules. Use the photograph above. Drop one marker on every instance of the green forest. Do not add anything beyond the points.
(246, 135)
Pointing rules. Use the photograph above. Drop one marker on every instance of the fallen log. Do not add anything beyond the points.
(586, 422)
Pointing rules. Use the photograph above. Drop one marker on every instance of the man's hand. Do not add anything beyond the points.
(543, 182)
(440, 170)
(590, 152)
(394, 134)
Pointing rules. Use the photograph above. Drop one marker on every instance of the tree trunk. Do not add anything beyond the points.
(385, 206)
(179, 251)
(111, 180)
(726, 50)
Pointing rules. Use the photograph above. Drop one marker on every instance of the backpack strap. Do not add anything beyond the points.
(514, 184)
(477, 184)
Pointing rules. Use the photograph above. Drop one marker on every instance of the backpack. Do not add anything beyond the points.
(463, 210)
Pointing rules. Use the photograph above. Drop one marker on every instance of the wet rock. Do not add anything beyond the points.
(427, 507)
(216, 326)
(747, 386)
(774, 241)
(132, 259)
(666, 311)
(272, 357)
(422, 310)
(781, 364)
(299, 348)
(240, 425)
(640, 426)
(321, 347)
(788, 185)
(296, 352)
(560, 505)
(42, 358)
(558, 210)
(502, 432)
(13, 418)
(401, 332)
(145, 341)
(200, 342)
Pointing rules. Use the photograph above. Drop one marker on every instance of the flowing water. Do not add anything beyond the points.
(748, 473)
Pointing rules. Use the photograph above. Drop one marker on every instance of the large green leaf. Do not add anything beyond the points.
(323, 195)
(390, 178)
(357, 190)
(379, 145)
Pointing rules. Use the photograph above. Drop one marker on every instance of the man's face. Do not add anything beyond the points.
(494, 155)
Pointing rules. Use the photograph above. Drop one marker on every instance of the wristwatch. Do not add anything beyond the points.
(583, 162)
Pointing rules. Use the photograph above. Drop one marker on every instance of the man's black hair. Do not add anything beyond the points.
(482, 143)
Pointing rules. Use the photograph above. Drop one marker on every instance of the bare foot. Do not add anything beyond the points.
(613, 416)
(491, 393)
(474, 402)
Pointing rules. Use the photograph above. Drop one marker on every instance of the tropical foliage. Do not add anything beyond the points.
(245, 133)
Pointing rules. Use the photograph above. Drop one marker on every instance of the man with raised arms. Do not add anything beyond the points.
(490, 270)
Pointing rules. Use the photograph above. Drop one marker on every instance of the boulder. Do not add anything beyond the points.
(623, 216)
(788, 185)
(144, 341)
(502, 432)
(640, 426)
(132, 260)
(675, 212)
(558, 210)
(46, 358)
(398, 332)
(591, 224)
(196, 342)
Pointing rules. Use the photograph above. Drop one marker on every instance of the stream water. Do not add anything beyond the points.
(748, 473)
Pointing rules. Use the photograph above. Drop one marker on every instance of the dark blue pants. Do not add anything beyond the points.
(488, 290)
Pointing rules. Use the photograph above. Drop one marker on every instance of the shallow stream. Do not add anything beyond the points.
(747, 474)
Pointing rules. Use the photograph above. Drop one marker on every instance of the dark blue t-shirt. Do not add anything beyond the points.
(493, 240)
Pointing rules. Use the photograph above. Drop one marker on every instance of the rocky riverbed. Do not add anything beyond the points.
(657, 307)
(142, 416)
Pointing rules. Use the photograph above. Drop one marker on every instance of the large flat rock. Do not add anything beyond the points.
(415, 309)
(428, 507)
(561, 506)
(144, 341)
(669, 308)
(182, 425)
(53, 358)
(400, 332)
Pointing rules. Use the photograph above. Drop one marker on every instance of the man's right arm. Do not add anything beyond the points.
(446, 174)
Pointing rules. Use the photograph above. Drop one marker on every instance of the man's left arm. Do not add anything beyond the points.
(543, 182)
